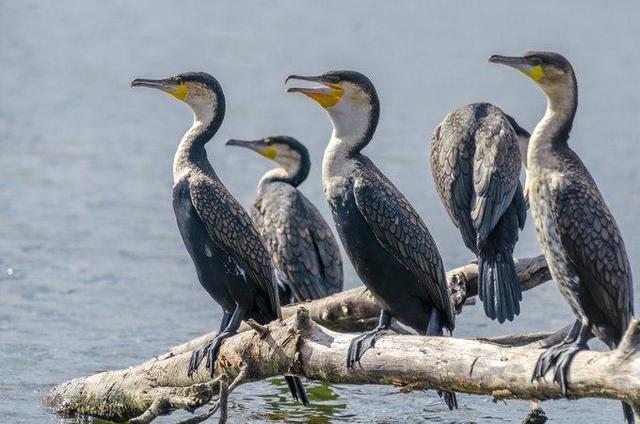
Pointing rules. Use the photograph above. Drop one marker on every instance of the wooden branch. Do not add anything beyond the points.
(298, 345)
(161, 385)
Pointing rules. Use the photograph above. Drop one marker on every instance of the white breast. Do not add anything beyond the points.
(337, 170)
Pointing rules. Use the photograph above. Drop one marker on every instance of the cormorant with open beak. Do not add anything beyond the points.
(305, 254)
(231, 261)
(579, 236)
(475, 162)
(387, 242)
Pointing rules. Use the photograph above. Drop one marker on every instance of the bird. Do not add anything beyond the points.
(231, 261)
(578, 233)
(305, 255)
(385, 239)
(475, 162)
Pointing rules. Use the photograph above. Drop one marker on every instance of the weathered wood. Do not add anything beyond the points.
(300, 346)
(161, 385)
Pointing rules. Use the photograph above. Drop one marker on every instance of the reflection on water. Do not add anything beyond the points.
(324, 405)
(99, 277)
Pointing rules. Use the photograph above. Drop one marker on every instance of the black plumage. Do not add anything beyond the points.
(305, 254)
(578, 234)
(475, 162)
(231, 261)
(387, 242)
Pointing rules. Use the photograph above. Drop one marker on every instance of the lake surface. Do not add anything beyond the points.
(93, 274)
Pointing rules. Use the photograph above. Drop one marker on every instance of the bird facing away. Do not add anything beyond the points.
(231, 261)
(475, 161)
(579, 236)
(385, 239)
(304, 252)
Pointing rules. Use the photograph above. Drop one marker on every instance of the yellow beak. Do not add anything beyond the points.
(327, 95)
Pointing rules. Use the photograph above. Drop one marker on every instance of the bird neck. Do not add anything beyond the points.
(552, 132)
(353, 129)
(290, 173)
(191, 151)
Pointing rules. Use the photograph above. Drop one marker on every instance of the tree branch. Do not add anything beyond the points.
(298, 345)
(160, 385)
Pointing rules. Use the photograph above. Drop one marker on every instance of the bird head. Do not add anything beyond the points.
(199, 90)
(349, 98)
(288, 152)
(551, 71)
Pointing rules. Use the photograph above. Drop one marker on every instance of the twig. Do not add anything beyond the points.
(259, 328)
(224, 402)
(160, 406)
(221, 402)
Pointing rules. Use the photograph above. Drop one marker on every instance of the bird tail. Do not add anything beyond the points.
(629, 416)
(296, 389)
(498, 285)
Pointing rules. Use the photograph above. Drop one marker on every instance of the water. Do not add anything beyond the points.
(100, 279)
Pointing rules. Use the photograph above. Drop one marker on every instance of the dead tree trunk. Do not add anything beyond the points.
(302, 345)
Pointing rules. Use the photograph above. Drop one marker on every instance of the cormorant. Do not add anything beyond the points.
(231, 261)
(579, 236)
(475, 161)
(304, 252)
(387, 242)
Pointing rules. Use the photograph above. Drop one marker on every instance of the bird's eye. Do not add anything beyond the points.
(333, 79)
(179, 80)
(534, 61)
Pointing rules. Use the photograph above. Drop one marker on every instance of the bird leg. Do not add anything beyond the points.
(226, 316)
(211, 348)
(559, 357)
(360, 344)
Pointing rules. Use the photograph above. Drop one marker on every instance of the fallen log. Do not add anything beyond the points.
(298, 345)
(160, 385)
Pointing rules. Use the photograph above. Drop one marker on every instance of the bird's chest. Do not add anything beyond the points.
(543, 194)
(336, 191)
(337, 180)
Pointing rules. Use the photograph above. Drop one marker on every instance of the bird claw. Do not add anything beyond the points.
(360, 344)
(209, 350)
(562, 367)
(557, 358)
(197, 356)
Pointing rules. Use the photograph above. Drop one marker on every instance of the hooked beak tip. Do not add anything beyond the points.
(242, 143)
(514, 62)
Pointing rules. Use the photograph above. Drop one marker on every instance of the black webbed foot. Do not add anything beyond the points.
(360, 344)
(557, 358)
(209, 350)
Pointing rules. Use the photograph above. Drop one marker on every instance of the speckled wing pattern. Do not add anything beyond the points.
(400, 230)
(452, 173)
(496, 168)
(594, 245)
(230, 227)
(475, 161)
(301, 244)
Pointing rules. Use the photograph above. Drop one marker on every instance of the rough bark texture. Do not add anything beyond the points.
(304, 347)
